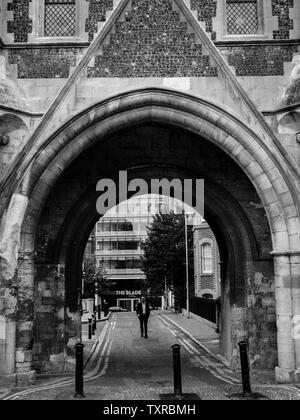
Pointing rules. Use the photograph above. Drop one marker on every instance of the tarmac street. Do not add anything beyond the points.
(125, 366)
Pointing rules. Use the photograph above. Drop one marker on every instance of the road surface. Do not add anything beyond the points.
(129, 367)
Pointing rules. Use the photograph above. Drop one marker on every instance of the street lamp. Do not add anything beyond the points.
(97, 300)
(187, 264)
(186, 217)
(166, 294)
(166, 305)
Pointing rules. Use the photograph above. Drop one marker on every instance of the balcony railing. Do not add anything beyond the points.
(115, 253)
(124, 271)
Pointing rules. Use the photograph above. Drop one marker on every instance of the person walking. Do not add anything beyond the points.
(143, 312)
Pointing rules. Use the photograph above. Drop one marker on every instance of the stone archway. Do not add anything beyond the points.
(264, 168)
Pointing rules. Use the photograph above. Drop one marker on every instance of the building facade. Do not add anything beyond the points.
(118, 247)
(117, 243)
(206, 263)
(118, 252)
(163, 89)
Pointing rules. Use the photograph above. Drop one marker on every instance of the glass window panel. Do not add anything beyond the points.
(242, 17)
(207, 258)
(60, 18)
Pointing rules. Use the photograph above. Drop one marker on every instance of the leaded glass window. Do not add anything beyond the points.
(242, 17)
(60, 18)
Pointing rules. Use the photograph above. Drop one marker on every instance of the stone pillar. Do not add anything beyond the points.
(239, 327)
(285, 372)
(10, 233)
(7, 347)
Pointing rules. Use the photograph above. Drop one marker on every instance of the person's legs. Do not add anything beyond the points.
(146, 326)
(141, 325)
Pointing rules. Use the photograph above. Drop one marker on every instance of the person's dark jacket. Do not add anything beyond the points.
(139, 309)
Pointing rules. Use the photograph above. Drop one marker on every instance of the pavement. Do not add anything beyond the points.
(201, 331)
(126, 366)
(204, 334)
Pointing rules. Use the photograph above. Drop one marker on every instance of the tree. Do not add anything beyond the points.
(165, 255)
(93, 274)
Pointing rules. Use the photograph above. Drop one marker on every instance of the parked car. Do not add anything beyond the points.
(117, 309)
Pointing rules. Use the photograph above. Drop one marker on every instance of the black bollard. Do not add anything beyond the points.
(99, 312)
(94, 324)
(177, 371)
(95, 320)
(90, 328)
(79, 371)
(247, 392)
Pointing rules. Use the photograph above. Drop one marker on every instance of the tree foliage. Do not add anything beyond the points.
(165, 255)
(93, 274)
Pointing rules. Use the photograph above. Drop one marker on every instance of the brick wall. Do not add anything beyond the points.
(21, 25)
(282, 9)
(206, 11)
(41, 63)
(257, 60)
(96, 14)
(152, 42)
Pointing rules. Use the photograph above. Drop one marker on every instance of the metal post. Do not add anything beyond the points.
(218, 307)
(79, 371)
(97, 300)
(187, 266)
(166, 294)
(95, 296)
(90, 329)
(247, 392)
(177, 370)
(79, 310)
(95, 320)
(94, 324)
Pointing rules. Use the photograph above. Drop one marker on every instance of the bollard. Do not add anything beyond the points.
(90, 329)
(99, 312)
(247, 392)
(79, 371)
(93, 325)
(177, 370)
(95, 320)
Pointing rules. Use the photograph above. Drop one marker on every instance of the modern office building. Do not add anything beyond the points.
(118, 238)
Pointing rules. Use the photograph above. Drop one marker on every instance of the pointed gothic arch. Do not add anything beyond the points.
(267, 172)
